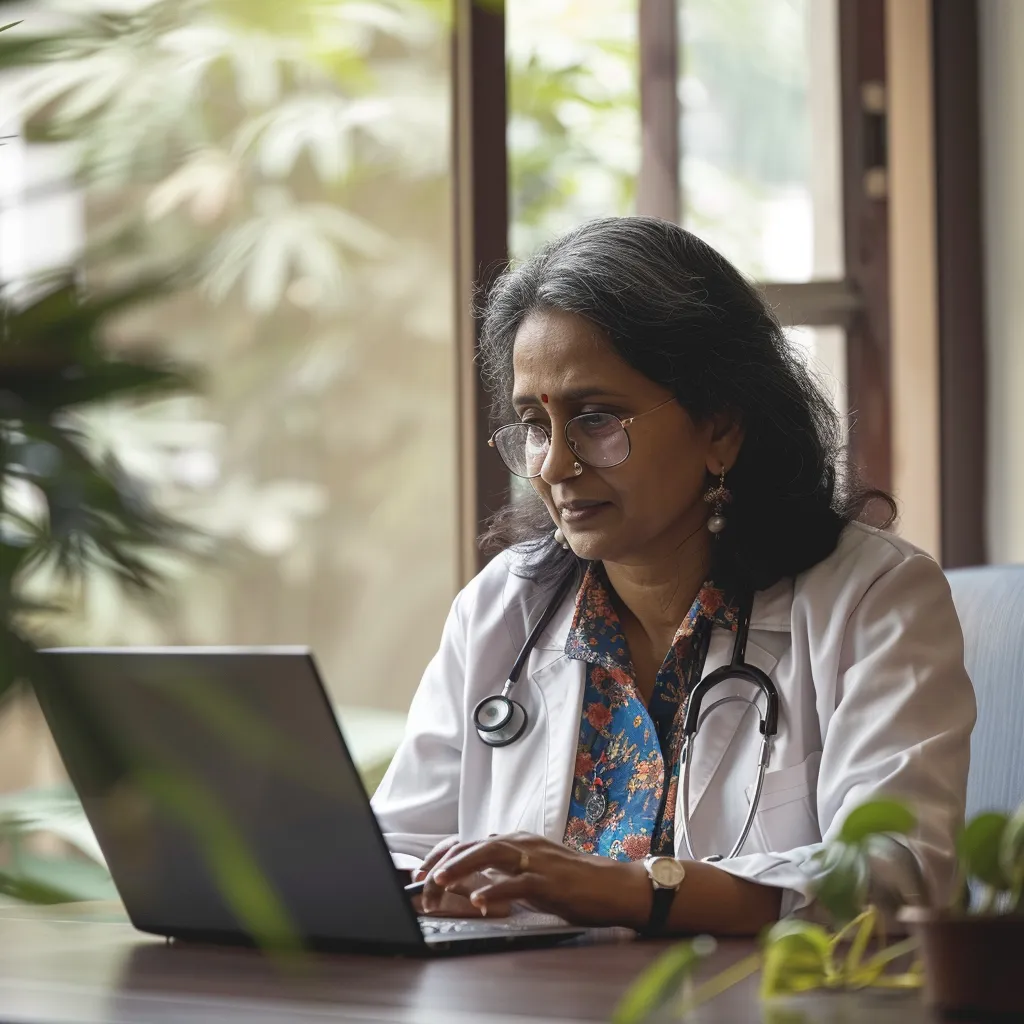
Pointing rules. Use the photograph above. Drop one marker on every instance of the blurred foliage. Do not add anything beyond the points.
(662, 980)
(67, 505)
(747, 133)
(52, 876)
(298, 156)
(798, 955)
(573, 133)
(238, 140)
(991, 855)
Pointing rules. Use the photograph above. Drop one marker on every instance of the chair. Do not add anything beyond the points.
(990, 603)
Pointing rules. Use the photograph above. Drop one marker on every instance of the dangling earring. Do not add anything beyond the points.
(577, 468)
(560, 538)
(719, 497)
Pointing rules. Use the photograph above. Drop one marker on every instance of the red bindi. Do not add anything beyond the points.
(544, 399)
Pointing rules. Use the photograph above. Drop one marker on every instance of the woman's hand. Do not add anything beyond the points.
(454, 901)
(581, 888)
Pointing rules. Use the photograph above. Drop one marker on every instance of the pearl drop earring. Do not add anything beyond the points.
(719, 497)
(560, 538)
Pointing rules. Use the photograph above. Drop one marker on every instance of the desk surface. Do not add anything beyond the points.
(59, 965)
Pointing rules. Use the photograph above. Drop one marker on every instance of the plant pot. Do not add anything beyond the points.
(973, 964)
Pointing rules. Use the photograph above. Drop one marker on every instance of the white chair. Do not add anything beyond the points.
(990, 603)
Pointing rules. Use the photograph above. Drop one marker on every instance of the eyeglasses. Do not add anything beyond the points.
(597, 439)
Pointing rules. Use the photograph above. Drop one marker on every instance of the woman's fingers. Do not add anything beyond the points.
(434, 857)
(508, 857)
(438, 855)
(527, 887)
(433, 888)
(451, 904)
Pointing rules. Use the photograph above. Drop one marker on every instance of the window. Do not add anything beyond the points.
(757, 124)
(301, 153)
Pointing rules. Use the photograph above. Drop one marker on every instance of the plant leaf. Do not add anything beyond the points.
(979, 847)
(862, 936)
(797, 958)
(56, 880)
(656, 985)
(842, 886)
(870, 972)
(877, 816)
(56, 811)
(240, 881)
(1011, 852)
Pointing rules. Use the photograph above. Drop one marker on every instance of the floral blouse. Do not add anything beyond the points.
(627, 760)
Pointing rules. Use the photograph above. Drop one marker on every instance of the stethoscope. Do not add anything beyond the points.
(500, 720)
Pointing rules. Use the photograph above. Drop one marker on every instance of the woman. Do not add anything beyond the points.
(683, 463)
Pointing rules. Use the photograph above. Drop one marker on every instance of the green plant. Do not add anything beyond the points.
(36, 875)
(66, 505)
(798, 955)
(991, 854)
(662, 980)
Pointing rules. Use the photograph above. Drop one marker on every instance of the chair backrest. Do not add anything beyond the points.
(990, 603)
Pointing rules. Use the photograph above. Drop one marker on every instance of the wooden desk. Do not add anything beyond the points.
(59, 966)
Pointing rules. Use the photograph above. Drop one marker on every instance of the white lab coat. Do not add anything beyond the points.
(866, 652)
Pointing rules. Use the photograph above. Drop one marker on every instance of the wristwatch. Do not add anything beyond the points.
(666, 875)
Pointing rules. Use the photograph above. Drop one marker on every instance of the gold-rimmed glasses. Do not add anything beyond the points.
(597, 439)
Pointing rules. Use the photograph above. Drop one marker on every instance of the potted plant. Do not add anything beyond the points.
(973, 951)
(796, 955)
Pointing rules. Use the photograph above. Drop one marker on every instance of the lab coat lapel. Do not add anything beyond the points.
(560, 682)
(718, 730)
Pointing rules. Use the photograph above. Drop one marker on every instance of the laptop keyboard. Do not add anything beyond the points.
(451, 926)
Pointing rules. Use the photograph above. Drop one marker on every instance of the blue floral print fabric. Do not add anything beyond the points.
(626, 775)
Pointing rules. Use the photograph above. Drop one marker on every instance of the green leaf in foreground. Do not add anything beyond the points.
(38, 879)
(842, 886)
(1011, 853)
(979, 847)
(661, 981)
(797, 958)
(239, 879)
(875, 817)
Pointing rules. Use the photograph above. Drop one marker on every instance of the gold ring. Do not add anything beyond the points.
(524, 862)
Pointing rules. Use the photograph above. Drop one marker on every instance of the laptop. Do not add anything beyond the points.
(229, 809)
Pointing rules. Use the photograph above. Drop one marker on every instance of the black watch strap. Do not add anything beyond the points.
(660, 907)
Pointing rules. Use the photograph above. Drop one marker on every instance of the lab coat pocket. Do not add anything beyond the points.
(786, 813)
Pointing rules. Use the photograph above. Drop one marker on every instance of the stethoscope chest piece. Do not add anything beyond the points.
(499, 720)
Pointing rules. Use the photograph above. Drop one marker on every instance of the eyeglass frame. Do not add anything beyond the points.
(624, 422)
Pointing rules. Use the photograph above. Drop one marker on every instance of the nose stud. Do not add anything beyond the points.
(577, 468)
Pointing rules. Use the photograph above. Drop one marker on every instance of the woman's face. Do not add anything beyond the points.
(647, 506)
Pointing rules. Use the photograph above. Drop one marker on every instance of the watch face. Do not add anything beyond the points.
(667, 872)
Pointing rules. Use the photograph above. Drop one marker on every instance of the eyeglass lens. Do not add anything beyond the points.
(598, 439)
